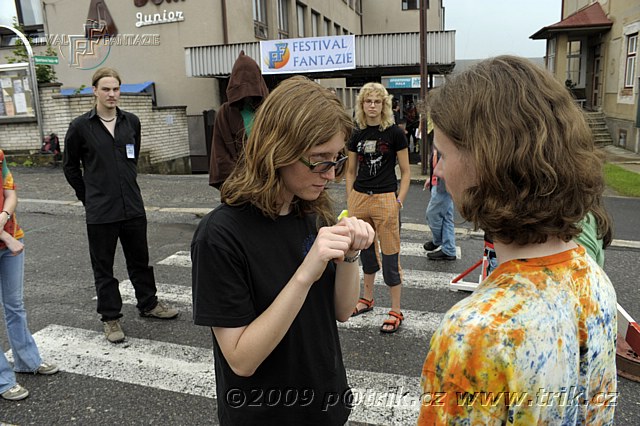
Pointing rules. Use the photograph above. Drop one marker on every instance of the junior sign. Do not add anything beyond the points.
(297, 55)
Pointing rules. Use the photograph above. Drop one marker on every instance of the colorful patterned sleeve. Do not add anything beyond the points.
(7, 178)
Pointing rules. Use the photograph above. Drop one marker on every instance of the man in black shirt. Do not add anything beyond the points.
(106, 143)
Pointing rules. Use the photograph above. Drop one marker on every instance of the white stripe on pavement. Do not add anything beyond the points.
(379, 398)
(180, 258)
(160, 365)
(419, 324)
(183, 258)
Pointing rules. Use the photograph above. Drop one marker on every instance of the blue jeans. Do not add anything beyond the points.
(440, 220)
(25, 352)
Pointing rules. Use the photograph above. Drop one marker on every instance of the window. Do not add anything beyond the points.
(345, 31)
(301, 9)
(327, 27)
(551, 55)
(283, 18)
(574, 63)
(336, 28)
(28, 13)
(260, 19)
(315, 19)
(410, 4)
(359, 7)
(630, 66)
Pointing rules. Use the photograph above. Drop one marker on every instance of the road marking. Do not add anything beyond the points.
(380, 398)
(183, 258)
(418, 324)
(201, 211)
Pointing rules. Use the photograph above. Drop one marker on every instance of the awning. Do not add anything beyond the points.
(588, 20)
(146, 87)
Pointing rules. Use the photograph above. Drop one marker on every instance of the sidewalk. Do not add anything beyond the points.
(621, 157)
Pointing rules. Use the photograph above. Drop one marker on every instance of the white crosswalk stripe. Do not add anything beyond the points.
(417, 324)
(189, 370)
(183, 258)
(379, 398)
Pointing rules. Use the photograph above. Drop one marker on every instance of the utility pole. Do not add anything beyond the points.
(424, 82)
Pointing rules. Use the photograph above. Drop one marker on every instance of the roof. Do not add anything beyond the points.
(588, 19)
(147, 86)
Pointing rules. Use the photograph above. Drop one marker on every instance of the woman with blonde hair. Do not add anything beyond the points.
(273, 271)
(373, 194)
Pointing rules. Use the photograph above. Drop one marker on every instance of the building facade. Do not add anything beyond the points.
(594, 51)
(152, 41)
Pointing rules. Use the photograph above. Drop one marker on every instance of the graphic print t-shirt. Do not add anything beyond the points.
(376, 152)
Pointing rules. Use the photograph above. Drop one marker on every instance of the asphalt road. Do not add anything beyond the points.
(163, 372)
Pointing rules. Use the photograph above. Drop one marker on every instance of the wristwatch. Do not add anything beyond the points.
(8, 214)
(352, 258)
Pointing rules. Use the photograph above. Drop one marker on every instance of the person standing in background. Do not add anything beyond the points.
(25, 352)
(100, 160)
(245, 92)
(373, 194)
(439, 215)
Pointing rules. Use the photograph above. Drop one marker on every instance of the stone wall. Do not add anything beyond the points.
(165, 136)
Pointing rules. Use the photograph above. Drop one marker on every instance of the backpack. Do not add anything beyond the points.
(51, 145)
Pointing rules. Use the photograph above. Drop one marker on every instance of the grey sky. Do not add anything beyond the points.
(487, 28)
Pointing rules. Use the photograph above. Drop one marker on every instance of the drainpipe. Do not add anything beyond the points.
(225, 31)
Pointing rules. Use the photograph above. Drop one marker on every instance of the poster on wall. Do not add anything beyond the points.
(16, 99)
(20, 101)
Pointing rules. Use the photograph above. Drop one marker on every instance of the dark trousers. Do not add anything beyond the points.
(103, 239)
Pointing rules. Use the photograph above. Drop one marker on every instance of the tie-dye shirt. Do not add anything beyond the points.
(535, 344)
(7, 183)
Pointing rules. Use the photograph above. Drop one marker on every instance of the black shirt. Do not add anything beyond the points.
(108, 187)
(241, 262)
(377, 155)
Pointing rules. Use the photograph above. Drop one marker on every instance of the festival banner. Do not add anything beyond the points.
(311, 54)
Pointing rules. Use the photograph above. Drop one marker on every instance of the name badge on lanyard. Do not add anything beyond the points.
(131, 153)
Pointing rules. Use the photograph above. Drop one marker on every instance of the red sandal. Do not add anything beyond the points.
(395, 322)
(368, 307)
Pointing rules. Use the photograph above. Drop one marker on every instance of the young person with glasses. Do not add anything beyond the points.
(273, 271)
(373, 194)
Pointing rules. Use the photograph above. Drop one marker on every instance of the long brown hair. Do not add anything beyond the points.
(296, 116)
(538, 173)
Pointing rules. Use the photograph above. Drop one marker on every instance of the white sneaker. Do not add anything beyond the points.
(16, 393)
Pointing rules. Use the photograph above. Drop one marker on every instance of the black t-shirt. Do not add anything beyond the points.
(241, 262)
(376, 152)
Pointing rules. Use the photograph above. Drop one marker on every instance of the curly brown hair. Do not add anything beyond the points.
(538, 173)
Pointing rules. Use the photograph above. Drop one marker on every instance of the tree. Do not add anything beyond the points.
(44, 73)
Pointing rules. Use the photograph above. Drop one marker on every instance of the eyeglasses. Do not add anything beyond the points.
(325, 166)
(372, 101)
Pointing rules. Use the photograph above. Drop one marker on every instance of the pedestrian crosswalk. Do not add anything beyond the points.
(380, 398)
